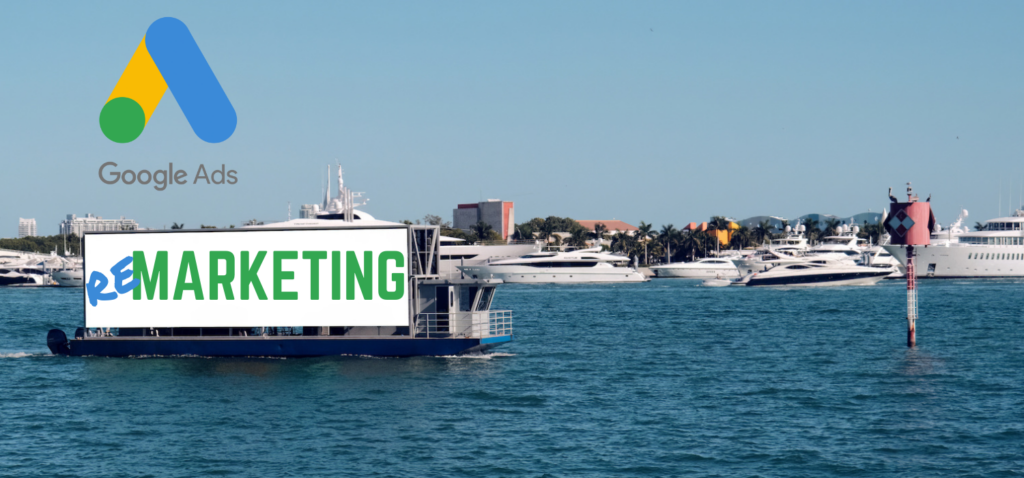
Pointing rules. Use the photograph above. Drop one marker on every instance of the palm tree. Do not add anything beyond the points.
(482, 230)
(741, 237)
(599, 230)
(547, 231)
(667, 235)
(692, 242)
(763, 231)
(719, 223)
(832, 226)
(811, 227)
(979, 226)
(578, 238)
(177, 226)
(643, 232)
(524, 232)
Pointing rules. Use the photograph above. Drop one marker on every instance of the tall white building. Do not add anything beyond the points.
(26, 228)
(78, 225)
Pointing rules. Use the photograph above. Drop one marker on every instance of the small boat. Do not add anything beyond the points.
(716, 282)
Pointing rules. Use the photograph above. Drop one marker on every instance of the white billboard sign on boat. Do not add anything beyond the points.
(248, 278)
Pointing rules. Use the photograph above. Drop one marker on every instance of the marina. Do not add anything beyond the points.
(485, 239)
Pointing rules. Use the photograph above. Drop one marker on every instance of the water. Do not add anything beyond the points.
(656, 379)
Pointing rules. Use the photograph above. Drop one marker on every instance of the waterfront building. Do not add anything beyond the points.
(90, 223)
(612, 226)
(500, 215)
(26, 228)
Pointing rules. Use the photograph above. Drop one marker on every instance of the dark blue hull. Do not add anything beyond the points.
(267, 347)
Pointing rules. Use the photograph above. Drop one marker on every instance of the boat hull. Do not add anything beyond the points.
(266, 346)
(562, 275)
(69, 278)
(694, 272)
(820, 280)
(956, 261)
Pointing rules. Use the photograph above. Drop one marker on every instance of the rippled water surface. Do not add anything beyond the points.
(655, 379)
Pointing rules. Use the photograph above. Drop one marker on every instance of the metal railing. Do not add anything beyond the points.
(475, 325)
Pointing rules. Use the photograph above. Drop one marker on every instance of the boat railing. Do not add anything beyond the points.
(477, 325)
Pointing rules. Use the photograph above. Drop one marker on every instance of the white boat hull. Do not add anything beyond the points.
(559, 275)
(72, 278)
(694, 272)
(951, 261)
(823, 281)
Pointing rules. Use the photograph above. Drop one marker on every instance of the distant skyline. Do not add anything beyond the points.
(666, 112)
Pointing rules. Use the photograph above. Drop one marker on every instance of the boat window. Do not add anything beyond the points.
(485, 299)
(466, 296)
(797, 267)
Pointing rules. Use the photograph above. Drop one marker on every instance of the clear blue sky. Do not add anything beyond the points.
(567, 108)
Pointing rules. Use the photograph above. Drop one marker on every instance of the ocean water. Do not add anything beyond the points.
(656, 379)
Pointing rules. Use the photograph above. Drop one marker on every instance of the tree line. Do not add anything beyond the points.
(44, 244)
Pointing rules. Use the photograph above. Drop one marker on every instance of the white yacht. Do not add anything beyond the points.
(844, 245)
(814, 272)
(710, 267)
(24, 275)
(585, 265)
(794, 243)
(456, 252)
(453, 252)
(997, 251)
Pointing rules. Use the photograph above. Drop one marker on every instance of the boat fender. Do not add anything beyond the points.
(57, 342)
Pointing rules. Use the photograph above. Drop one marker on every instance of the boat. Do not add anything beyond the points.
(717, 282)
(816, 272)
(844, 245)
(793, 243)
(405, 310)
(584, 265)
(996, 251)
(24, 275)
(69, 277)
(457, 252)
(699, 269)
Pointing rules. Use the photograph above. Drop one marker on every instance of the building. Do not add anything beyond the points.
(26, 228)
(612, 226)
(500, 215)
(78, 225)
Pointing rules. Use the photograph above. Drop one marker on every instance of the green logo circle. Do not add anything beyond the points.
(122, 120)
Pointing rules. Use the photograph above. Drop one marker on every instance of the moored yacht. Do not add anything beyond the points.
(817, 273)
(996, 251)
(585, 265)
(709, 267)
(23, 275)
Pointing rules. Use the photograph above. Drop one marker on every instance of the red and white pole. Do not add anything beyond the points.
(911, 298)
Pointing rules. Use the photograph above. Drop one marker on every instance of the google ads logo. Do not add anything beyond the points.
(168, 57)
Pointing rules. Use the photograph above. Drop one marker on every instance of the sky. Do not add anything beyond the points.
(664, 112)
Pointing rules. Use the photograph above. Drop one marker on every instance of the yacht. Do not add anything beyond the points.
(794, 243)
(453, 252)
(24, 275)
(815, 272)
(844, 245)
(456, 252)
(997, 251)
(710, 267)
(584, 265)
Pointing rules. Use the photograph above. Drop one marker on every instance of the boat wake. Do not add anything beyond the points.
(21, 354)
